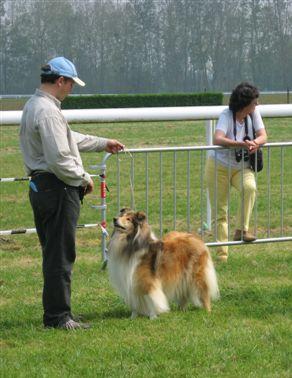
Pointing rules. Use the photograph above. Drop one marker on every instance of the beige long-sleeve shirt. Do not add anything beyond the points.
(48, 144)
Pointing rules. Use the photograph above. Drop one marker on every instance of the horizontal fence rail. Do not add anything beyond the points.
(12, 179)
(148, 114)
(22, 230)
(18, 231)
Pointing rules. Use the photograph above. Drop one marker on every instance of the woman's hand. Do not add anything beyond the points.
(252, 146)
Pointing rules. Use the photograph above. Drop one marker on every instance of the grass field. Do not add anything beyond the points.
(248, 333)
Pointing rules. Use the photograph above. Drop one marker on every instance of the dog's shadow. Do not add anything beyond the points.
(121, 312)
(115, 313)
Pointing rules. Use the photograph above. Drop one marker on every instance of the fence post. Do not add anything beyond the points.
(103, 213)
(102, 206)
(209, 142)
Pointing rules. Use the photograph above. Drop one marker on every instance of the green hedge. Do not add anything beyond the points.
(142, 100)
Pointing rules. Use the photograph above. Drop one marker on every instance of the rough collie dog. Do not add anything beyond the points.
(148, 273)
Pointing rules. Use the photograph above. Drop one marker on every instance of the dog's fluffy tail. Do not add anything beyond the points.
(211, 280)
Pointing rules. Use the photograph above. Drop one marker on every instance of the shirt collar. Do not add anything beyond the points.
(42, 93)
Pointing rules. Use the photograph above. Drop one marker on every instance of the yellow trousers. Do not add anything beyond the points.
(244, 183)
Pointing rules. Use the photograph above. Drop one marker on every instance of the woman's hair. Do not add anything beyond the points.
(242, 96)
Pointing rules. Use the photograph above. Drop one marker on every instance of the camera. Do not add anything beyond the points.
(238, 153)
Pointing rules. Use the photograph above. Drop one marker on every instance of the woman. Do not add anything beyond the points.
(229, 169)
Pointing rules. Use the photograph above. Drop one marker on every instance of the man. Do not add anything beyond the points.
(51, 156)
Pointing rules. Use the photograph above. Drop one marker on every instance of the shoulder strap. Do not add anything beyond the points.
(234, 125)
(253, 129)
(246, 126)
(252, 125)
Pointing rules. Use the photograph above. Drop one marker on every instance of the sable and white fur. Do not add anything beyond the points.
(148, 273)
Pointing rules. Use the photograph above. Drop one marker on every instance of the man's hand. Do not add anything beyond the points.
(89, 188)
(113, 146)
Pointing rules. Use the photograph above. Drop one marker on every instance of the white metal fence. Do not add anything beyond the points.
(168, 184)
(139, 188)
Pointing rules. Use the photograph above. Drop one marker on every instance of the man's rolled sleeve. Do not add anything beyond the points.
(87, 143)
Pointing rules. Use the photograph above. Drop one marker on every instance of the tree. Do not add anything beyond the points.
(135, 46)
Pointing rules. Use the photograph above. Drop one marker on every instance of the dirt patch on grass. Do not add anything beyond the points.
(20, 262)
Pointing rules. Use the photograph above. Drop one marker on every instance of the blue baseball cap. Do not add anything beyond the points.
(62, 67)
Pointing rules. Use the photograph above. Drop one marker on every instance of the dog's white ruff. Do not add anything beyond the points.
(121, 273)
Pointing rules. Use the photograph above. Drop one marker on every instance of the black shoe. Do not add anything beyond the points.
(71, 324)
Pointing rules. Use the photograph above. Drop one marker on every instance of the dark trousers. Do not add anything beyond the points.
(56, 208)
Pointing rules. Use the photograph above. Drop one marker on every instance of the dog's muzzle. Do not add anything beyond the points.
(117, 225)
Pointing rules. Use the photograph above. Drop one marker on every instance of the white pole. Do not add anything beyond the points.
(179, 113)
(209, 142)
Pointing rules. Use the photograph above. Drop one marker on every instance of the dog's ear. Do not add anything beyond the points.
(124, 210)
(140, 216)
